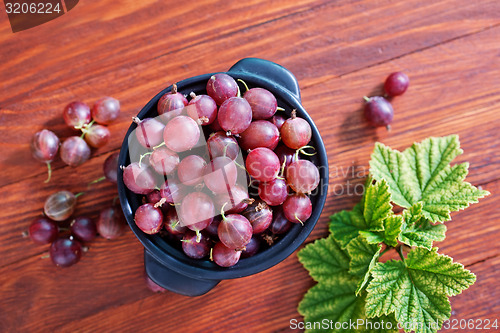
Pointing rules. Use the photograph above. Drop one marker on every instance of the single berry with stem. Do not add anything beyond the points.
(164, 161)
(224, 256)
(202, 108)
(221, 144)
(302, 176)
(44, 147)
(260, 133)
(83, 229)
(274, 192)
(60, 205)
(149, 132)
(43, 231)
(77, 114)
(172, 223)
(139, 178)
(75, 151)
(295, 132)
(263, 164)
(235, 115)
(234, 231)
(262, 102)
(149, 218)
(235, 200)
(297, 208)
(196, 211)
(106, 110)
(260, 215)
(195, 247)
(378, 111)
(65, 251)
(171, 104)
(221, 87)
(181, 142)
(191, 170)
(111, 222)
(96, 135)
(396, 84)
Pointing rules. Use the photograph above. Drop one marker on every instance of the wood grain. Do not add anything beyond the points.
(339, 51)
(337, 47)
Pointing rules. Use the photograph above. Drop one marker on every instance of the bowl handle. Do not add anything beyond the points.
(173, 281)
(269, 71)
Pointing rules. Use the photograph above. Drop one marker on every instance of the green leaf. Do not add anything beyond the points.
(368, 215)
(413, 214)
(334, 302)
(333, 298)
(324, 258)
(416, 290)
(418, 231)
(377, 205)
(345, 225)
(422, 173)
(364, 256)
(392, 229)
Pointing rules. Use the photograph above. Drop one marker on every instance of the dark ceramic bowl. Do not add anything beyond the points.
(168, 266)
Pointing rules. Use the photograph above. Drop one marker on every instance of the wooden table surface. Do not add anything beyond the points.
(338, 50)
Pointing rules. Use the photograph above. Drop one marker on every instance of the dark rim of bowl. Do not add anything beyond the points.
(174, 258)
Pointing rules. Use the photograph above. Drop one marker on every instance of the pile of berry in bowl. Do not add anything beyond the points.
(222, 175)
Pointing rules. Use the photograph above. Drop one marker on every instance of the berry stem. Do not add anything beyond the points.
(248, 201)
(301, 150)
(98, 180)
(136, 120)
(279, 108)
(244, 83)
(294, 113)
(192, 94)
(49, 172)
(282, 171)
(85, 128)
(142, 156)
(299, 220)
(222, 211)
(160, 145)
(367, 99)
(174, 88)
(160, 203)
(79, 194)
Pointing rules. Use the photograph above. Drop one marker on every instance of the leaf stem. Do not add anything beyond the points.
(400, 252)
